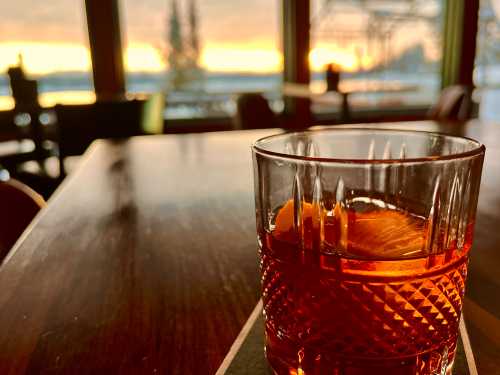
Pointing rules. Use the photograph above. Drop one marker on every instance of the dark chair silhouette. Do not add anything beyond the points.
(19, 205)
(24, 91)
(25, 94)
(80, 125)
(253, 112)
(454, 104)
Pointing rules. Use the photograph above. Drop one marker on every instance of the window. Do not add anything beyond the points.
(487, 72)
(388, 52)
(203, 53)
(50, 39)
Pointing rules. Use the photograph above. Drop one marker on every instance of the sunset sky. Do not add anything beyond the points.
(51, 35)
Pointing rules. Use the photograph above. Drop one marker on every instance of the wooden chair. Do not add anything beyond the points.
(19, 205)
(79, 125)
(25, 94)
(253, 112)
(454, 104)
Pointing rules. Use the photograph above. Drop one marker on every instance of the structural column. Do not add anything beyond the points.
(296, 43)
(103, 21)
(459, 42)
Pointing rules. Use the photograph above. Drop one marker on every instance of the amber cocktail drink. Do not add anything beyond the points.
(364, 257)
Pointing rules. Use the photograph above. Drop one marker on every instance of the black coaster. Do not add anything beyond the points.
(246, 356)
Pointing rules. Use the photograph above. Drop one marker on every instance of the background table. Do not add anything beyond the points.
(346, 88)
(145, 260)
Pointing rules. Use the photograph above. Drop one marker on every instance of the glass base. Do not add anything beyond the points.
(319, 365)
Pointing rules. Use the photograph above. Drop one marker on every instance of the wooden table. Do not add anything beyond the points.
(145, 260)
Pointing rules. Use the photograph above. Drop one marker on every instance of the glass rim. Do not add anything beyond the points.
(476, 151)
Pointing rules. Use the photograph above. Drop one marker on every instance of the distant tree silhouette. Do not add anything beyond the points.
(175, 48)
(195, 72)
(183, 55)
(193, 32)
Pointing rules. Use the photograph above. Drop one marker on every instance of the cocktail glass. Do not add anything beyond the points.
(364, 238)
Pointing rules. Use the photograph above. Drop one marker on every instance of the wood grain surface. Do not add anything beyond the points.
(145, 260)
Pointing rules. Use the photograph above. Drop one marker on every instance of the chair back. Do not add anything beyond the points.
(24, 91)
(453, 104)
(253, 112)
(19, 205)
(25, 94)
(79, 125)
(76, 125)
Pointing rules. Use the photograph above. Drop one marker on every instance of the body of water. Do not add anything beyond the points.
(214, 95)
